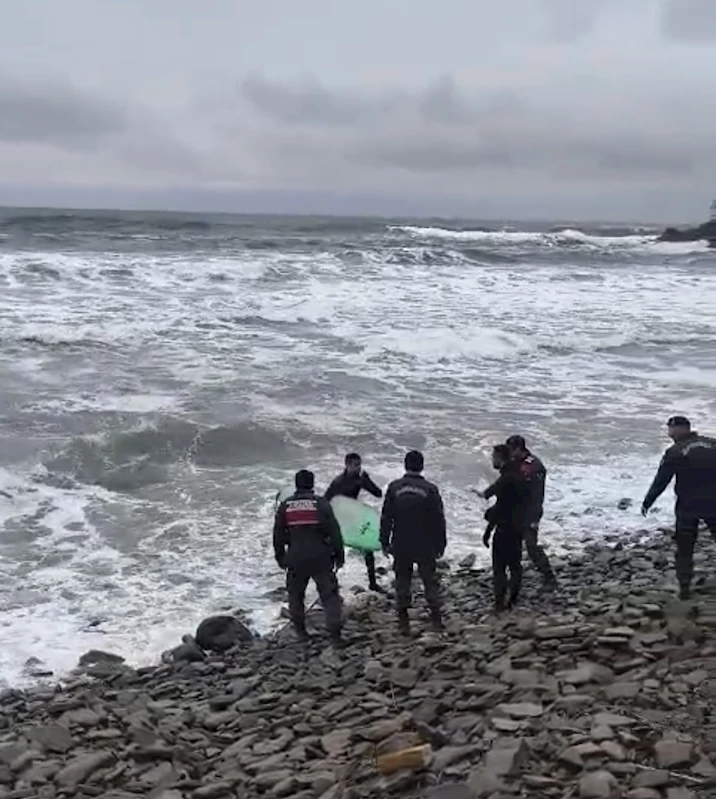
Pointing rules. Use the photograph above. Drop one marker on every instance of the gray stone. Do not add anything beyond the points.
(221, 633)
(456, 791)
(672, 754)
(599, 785)
(651, 778)
(482, 783)
(586, 673)
(643, 793)
(82, 717)
(613, 749)
(522, 710)
(374, 671)
(506, 759)
(336, 742)
(382, 729)
(622, 690)
(613, 720)
(269, 779)
(82, 767)
(286, 787)
(52, 737)
(602, 733)
(679, 793)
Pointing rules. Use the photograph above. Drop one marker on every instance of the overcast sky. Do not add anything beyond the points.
(601, 109)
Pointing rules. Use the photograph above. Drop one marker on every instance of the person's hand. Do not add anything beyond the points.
(486, 538)
(644, 510)
(439, 554)
(281, 564)
(387, 550)
(339, 562)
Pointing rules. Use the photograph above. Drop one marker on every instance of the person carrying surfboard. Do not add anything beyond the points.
(413, 531)
(349, 483)
(308, 546)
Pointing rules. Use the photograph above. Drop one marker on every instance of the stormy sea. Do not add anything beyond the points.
(163, 375)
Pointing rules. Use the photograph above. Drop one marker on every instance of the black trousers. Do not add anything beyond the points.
(536, 553)
(506, 556)
(297, 580)
(687, 532)
(370, 567)
(404, 568)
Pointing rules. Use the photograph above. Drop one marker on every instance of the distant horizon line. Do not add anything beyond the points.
(334, 215)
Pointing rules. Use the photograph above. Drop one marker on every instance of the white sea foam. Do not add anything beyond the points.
(416, 345)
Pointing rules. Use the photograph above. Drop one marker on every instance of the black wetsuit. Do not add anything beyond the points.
(412, 527)
(692, 461)
(307, 543)
(511, 493)
(350, 485)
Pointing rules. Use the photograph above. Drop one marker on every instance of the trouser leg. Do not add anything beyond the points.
(499, 567)
(329, 595)
(296, 583)
(403, 582)
(687, 530)
(428, 574)
(515, 566)
(370, 568)
(537, 554)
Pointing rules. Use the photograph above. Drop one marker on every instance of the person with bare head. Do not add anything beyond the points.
(692, 461)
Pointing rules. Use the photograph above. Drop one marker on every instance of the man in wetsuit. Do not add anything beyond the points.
(349, 483)
(692, 460)
(412, 530)
(535, 475)
(308, 545)
(507, 516)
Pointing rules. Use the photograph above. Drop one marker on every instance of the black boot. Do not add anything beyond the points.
(684, 592)
(337, 640)
(301, 632)
(403, 622)
(436, 621)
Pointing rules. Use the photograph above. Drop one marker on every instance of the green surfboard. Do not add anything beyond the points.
(360, 525)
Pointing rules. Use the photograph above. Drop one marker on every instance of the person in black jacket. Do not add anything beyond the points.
(349, 483)
(308, 545)
(506, 517)
(412, 530)
(535, 475)
(692, 460)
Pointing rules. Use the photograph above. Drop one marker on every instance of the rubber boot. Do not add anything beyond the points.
(436, 621)
(403, 622)
(337, 641)
(301, 632)
(685, 592)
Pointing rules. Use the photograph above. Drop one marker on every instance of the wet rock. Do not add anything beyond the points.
(507, 758)
(651, 778)
(468, 561)
(455, 791)
(673, 754)
(96, 657)
(522, 710)
(52, 738)
(221, 633)
(216, 790)
(482, 783)
(599, 785)
(336, 742)
(643, 793)
(82, 767)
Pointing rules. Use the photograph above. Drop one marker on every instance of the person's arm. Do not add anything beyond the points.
(333, 533)
(370, 486)
(280, 535)
(332, 490)
(387, 518)
(667, 469)
(494, 489)
(437, 509)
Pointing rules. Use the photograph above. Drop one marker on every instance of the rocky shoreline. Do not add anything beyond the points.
(604, 690)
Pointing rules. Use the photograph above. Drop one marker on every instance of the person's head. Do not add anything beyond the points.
(517, 445)
(304, 480)
(414, 462)
(353, 463)
(501, 456)
(678, 427)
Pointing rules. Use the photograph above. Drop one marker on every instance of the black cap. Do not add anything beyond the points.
(304, 480)
(678, 421)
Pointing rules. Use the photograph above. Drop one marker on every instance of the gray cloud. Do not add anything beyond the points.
(551, 105)
(689, 20)
(50, 111)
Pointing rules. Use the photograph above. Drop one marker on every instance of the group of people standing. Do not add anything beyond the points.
(308, 545)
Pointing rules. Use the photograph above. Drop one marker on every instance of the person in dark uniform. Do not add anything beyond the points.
(308, 545)
(692, 461)
(507, 518)
(413, 531)
(535, 475)
(349, 483)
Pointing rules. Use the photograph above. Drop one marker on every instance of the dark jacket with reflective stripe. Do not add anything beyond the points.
(693, 462)
(306, 533)
(412, 522)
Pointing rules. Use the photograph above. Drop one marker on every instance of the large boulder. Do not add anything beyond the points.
(220, 633)
(705, 232)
